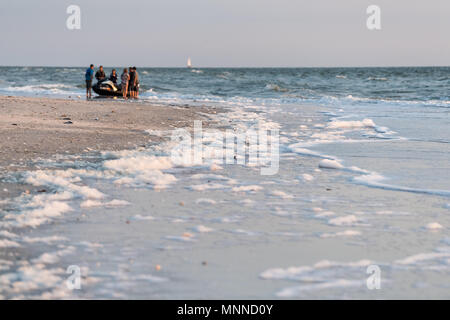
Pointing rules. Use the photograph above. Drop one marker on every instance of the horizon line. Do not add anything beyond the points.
(240, 67)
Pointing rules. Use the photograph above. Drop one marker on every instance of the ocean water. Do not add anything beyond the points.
(363, 180)
(420, 85)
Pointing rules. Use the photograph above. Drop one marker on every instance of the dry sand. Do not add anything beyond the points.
(33, 128)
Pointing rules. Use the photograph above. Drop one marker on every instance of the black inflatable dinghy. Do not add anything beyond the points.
(108, 88)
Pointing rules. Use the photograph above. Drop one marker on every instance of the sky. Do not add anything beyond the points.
(225, 33)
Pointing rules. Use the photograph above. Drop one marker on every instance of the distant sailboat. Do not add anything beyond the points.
(189, 64)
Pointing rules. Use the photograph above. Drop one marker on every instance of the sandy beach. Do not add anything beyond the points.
(32, 128)
(103, 193)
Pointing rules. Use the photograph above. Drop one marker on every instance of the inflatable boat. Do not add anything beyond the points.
(108, 88)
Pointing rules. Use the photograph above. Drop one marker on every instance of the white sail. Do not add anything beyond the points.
(189, 64)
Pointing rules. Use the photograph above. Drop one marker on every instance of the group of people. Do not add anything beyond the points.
(129, 80)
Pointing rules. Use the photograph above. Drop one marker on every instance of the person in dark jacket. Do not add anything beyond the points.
(131, 83)
(100, 74)
(113, 76)
(136, 81)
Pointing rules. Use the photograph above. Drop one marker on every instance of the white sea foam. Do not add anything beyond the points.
(139, 164)
(328, 274)
(247, 202)
(281, 194)
(328, 136)
(324, 214)
(421, 257)
(275, 87)
(212, 177)
(231, 219)
(91, 204)
(248, 188)
(181, 238)
(53, 257)
(366, 123)
(90, 245)
(46, 240)
(39, 281)
(299, 149)
(346, 233)
(307, 177)
(282, 213)
(244, 232)
(32, 277)
(63, 180)
(215, 167)
(50, 88)
(202, 229)
(41, 208)
(330, 164)
(139, 217)
(318, 271)
(142, 170)
(433, 226)
(339, 283)
(349, 220)
(355, 169)
(391, 213)
(5, 243)
(374, 180)
(150, 278)
(205, 201)
(36, 217)
(8, 234)
(109, 204)
(208, 186)
(158, 133)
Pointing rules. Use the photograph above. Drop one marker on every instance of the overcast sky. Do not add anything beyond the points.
(225, 33)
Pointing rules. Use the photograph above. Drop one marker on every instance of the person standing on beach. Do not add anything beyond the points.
(100, 75)
(113, 76)
(131, 83)
(125, 77)
(89, 77)
(136, 81)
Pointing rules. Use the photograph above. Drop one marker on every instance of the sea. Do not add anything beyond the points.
(358, 206)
